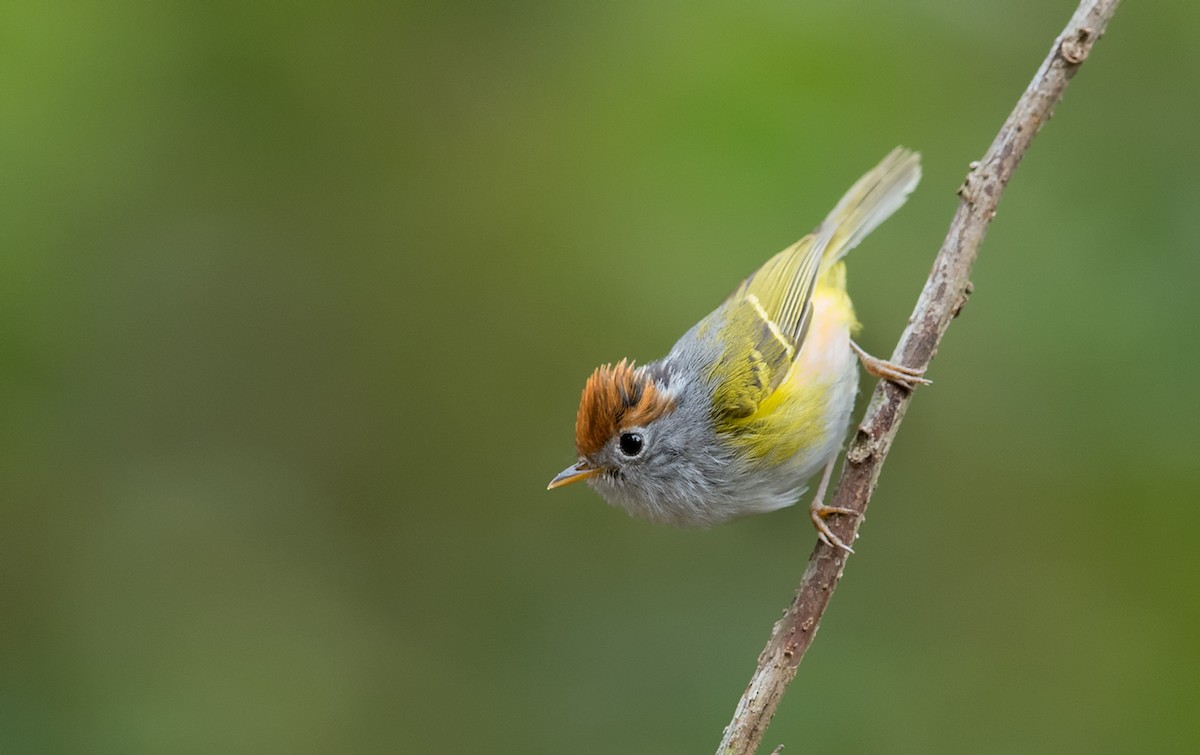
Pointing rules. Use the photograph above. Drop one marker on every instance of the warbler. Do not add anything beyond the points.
(756, 397)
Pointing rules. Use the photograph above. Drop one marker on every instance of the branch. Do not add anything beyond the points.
(941, 300)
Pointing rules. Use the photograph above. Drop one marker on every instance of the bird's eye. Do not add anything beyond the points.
(631, 444)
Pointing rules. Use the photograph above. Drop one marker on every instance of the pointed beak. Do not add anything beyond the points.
(573, 473)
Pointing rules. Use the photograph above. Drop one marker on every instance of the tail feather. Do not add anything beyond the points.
(869, 202)
(764, 323)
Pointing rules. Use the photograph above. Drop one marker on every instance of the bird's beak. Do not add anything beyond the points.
(573, 473)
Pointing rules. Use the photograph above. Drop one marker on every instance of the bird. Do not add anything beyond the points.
(754, 399)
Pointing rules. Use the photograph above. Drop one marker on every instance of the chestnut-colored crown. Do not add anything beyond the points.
(615, 399)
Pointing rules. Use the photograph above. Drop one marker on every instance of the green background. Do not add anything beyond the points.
(296, 301)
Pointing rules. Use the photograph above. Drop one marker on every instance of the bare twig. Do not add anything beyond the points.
(941, 300)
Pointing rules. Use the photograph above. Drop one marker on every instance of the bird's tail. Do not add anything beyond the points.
(869, 202)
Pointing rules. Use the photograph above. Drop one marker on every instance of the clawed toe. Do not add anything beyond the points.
(817, 511)
(906, 377)
(823, 532)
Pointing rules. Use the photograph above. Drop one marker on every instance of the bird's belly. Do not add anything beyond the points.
(828, 370)
(814, 411)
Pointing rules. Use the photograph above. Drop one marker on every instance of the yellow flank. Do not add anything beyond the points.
(831, 285)
(794, 417)
(790, 420)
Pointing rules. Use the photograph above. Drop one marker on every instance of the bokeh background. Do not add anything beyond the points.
(296, 301)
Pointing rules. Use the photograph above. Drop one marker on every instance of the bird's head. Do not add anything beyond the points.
(619, 427)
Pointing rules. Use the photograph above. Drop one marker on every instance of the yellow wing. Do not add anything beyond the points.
(763, 323)
(762, 329)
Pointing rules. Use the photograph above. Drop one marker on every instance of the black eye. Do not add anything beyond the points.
(631, 444)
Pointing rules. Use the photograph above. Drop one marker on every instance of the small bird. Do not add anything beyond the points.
(755, 398)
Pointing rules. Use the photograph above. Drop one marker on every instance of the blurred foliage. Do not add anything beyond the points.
(296, 301)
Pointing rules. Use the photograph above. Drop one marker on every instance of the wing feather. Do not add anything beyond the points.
(762, 325)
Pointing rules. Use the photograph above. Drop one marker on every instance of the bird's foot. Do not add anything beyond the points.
(905, 377)
(818, 511)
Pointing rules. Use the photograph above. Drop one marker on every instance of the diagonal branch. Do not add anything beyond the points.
(941, 300)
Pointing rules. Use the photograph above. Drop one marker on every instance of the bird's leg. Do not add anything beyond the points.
(817, 511)
(905, 377)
